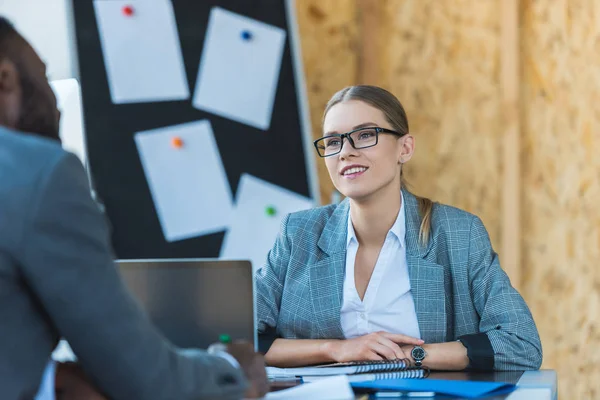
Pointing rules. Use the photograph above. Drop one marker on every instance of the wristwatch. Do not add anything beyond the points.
(418, 354)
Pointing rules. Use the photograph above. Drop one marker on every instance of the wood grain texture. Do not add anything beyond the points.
(329, 41)
(371, 47)
(442, 62)
(561, 186)
(511, 140)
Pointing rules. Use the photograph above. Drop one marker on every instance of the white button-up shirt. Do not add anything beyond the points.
(388, 303)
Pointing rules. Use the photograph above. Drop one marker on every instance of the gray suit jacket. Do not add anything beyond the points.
(459, 289)
(57, 278)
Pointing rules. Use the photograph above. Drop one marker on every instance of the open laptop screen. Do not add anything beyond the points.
(193, 301)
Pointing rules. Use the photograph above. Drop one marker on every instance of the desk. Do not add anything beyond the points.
(525, 381)
(531, 385)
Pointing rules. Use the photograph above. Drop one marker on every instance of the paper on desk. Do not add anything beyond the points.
(63, 352)
(142, 52)
(239, 68)
(189, 186)
(259, 208)
(332, 388)
(68, 96)
(531, 394)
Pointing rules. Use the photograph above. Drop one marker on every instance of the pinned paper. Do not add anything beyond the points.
(189, 187)
(330, 388)
(68, 96)
(142, 52)
(259, 208)
(239, 68)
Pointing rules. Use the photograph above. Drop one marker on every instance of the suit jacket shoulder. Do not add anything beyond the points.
(26, 162)
(451, 229)
(58, 275)
(314, 219)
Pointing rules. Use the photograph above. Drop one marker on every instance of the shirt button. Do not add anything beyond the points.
(362, 316)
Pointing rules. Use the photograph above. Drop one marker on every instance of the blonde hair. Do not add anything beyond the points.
(396, 116)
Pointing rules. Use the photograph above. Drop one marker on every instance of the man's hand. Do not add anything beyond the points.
(72, 384)
(253, 365)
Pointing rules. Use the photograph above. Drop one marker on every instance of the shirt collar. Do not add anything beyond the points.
(398, 229)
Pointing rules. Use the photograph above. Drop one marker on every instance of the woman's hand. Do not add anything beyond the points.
(373, 347)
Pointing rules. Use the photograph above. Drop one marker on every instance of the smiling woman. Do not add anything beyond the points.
(386, 274)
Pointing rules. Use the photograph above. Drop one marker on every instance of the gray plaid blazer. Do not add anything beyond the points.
(459, 288)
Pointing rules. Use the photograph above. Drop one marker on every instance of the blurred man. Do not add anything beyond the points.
(57, 277)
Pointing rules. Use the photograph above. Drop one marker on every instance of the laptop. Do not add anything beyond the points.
(193, 301)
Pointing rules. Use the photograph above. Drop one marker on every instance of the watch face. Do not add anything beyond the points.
(418, 353)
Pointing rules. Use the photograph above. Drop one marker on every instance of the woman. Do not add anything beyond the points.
(386, 274)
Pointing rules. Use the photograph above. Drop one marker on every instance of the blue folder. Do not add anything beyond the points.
(466, 389)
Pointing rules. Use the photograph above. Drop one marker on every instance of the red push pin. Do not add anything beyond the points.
(128, 11)
(177, 142)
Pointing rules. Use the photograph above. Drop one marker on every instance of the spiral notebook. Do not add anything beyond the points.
(410, 373)
(385, 369)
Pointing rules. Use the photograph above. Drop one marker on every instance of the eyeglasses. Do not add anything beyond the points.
(359, 139)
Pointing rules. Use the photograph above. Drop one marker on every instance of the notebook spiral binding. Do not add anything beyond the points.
(410, 373)
(392, 367)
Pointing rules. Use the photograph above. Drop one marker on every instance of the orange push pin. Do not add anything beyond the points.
(128, 11)
(177, 142)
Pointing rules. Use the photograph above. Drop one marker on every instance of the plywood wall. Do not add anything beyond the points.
(442, 62)
(561, 186)
(422, 44)
(328, 35)
(442, 59)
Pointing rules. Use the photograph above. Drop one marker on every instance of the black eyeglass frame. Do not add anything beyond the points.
(346, 135)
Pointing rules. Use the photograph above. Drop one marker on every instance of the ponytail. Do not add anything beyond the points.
(425, 210)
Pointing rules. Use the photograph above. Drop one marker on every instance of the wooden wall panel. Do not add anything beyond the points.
(442, 61)
(561, 186)
(328, 35)
(511, 140)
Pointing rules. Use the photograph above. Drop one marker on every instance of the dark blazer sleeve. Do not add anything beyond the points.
(508, 338)
(269, 288)
(66, 260)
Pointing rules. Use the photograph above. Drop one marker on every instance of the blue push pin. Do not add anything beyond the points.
(246, 35)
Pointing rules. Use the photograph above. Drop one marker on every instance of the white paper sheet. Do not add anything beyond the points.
(259, 208)
(142, 52)
(68, 96)
(333, 388)
(63, 352)
(239, 68)
(188, 184)
(530, 394)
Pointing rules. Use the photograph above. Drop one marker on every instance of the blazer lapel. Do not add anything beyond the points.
(327, 274)
(426, 278)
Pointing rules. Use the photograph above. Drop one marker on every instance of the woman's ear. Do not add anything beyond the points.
(407, 148)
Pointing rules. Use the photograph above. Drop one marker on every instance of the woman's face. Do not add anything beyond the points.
(361, 173)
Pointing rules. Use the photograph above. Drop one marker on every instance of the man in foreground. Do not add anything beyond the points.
(57, 277)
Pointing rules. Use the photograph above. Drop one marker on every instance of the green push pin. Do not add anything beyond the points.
(271, 211)
(221, 345)
(225, 339)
